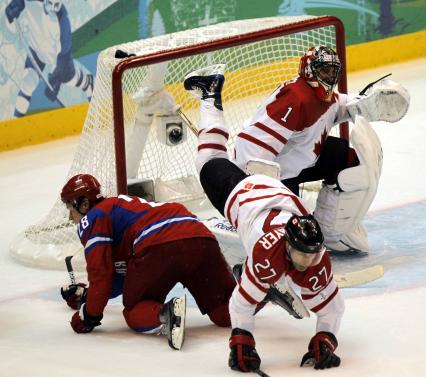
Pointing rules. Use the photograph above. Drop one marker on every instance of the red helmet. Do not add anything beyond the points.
(81, 185)
(312, 66)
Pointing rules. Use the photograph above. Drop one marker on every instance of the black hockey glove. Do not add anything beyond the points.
(82, 322)
(321, 351)
(243, 356)
(75, 295)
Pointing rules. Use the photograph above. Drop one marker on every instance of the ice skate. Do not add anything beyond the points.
(206, 83)
(173, 317)
(284, 297)
(341, 248)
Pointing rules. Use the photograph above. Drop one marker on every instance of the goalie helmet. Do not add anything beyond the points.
(81, 185)
(320, 68)
(304, 234)
(52, 6)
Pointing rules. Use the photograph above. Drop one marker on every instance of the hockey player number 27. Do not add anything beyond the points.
(265, 268)
(315, 280)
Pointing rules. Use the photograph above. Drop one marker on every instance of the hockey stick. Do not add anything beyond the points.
(362, 92)
(188, 122)
(34, 62)
(70, 269)
(367, 275)
(260, 373)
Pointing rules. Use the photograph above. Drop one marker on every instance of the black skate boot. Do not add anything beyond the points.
(173, 315)
(206, 83)
(284, 297)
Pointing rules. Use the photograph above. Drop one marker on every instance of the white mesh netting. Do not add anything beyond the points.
(253, 71)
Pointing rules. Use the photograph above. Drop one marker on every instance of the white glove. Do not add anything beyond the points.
(386, 100)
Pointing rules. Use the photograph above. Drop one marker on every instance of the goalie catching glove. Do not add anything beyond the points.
(75, 295)
(321, 351)
(82, 322)
(243, 356)
(386, 100)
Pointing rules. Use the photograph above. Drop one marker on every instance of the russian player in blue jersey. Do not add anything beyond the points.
(141, 250)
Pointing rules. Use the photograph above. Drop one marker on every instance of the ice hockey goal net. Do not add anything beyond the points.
(259, 53)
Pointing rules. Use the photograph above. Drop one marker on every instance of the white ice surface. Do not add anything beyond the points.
(383, 331)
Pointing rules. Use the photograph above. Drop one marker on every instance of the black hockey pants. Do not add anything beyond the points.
(218, 178)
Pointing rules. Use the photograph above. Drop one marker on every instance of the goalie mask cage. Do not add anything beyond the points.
(260, 54)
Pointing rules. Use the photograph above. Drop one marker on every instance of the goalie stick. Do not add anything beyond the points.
(187, 121)
(364, 276)
(362, 92)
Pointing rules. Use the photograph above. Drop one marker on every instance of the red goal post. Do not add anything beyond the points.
(209, 46)
(260, 54)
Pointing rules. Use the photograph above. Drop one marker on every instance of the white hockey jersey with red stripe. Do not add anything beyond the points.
(259, 207)
(290, 128)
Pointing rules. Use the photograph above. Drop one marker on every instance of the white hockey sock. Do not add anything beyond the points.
(212, 135)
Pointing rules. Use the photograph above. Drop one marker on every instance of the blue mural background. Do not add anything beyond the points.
(97, 24)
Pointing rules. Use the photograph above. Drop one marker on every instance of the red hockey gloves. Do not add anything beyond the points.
(75, 295)
(243, 356)
(82, 322)
(321, 351)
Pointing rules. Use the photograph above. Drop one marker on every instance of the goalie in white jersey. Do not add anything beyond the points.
(291, 128)
(279, 235)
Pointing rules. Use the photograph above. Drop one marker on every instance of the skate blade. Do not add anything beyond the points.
(178, 330)
(215, 69)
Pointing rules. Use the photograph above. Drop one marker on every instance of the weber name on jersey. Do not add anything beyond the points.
(259, 207)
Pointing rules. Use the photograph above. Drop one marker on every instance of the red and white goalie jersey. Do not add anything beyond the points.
(290, 127)
(259, 207)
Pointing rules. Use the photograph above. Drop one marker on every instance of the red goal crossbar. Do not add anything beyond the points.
(238, 40)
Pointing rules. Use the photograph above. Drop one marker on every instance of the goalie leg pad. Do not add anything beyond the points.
(340, 213)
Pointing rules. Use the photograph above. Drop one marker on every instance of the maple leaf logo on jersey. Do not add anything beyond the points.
(248, 186)
(319, 145)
